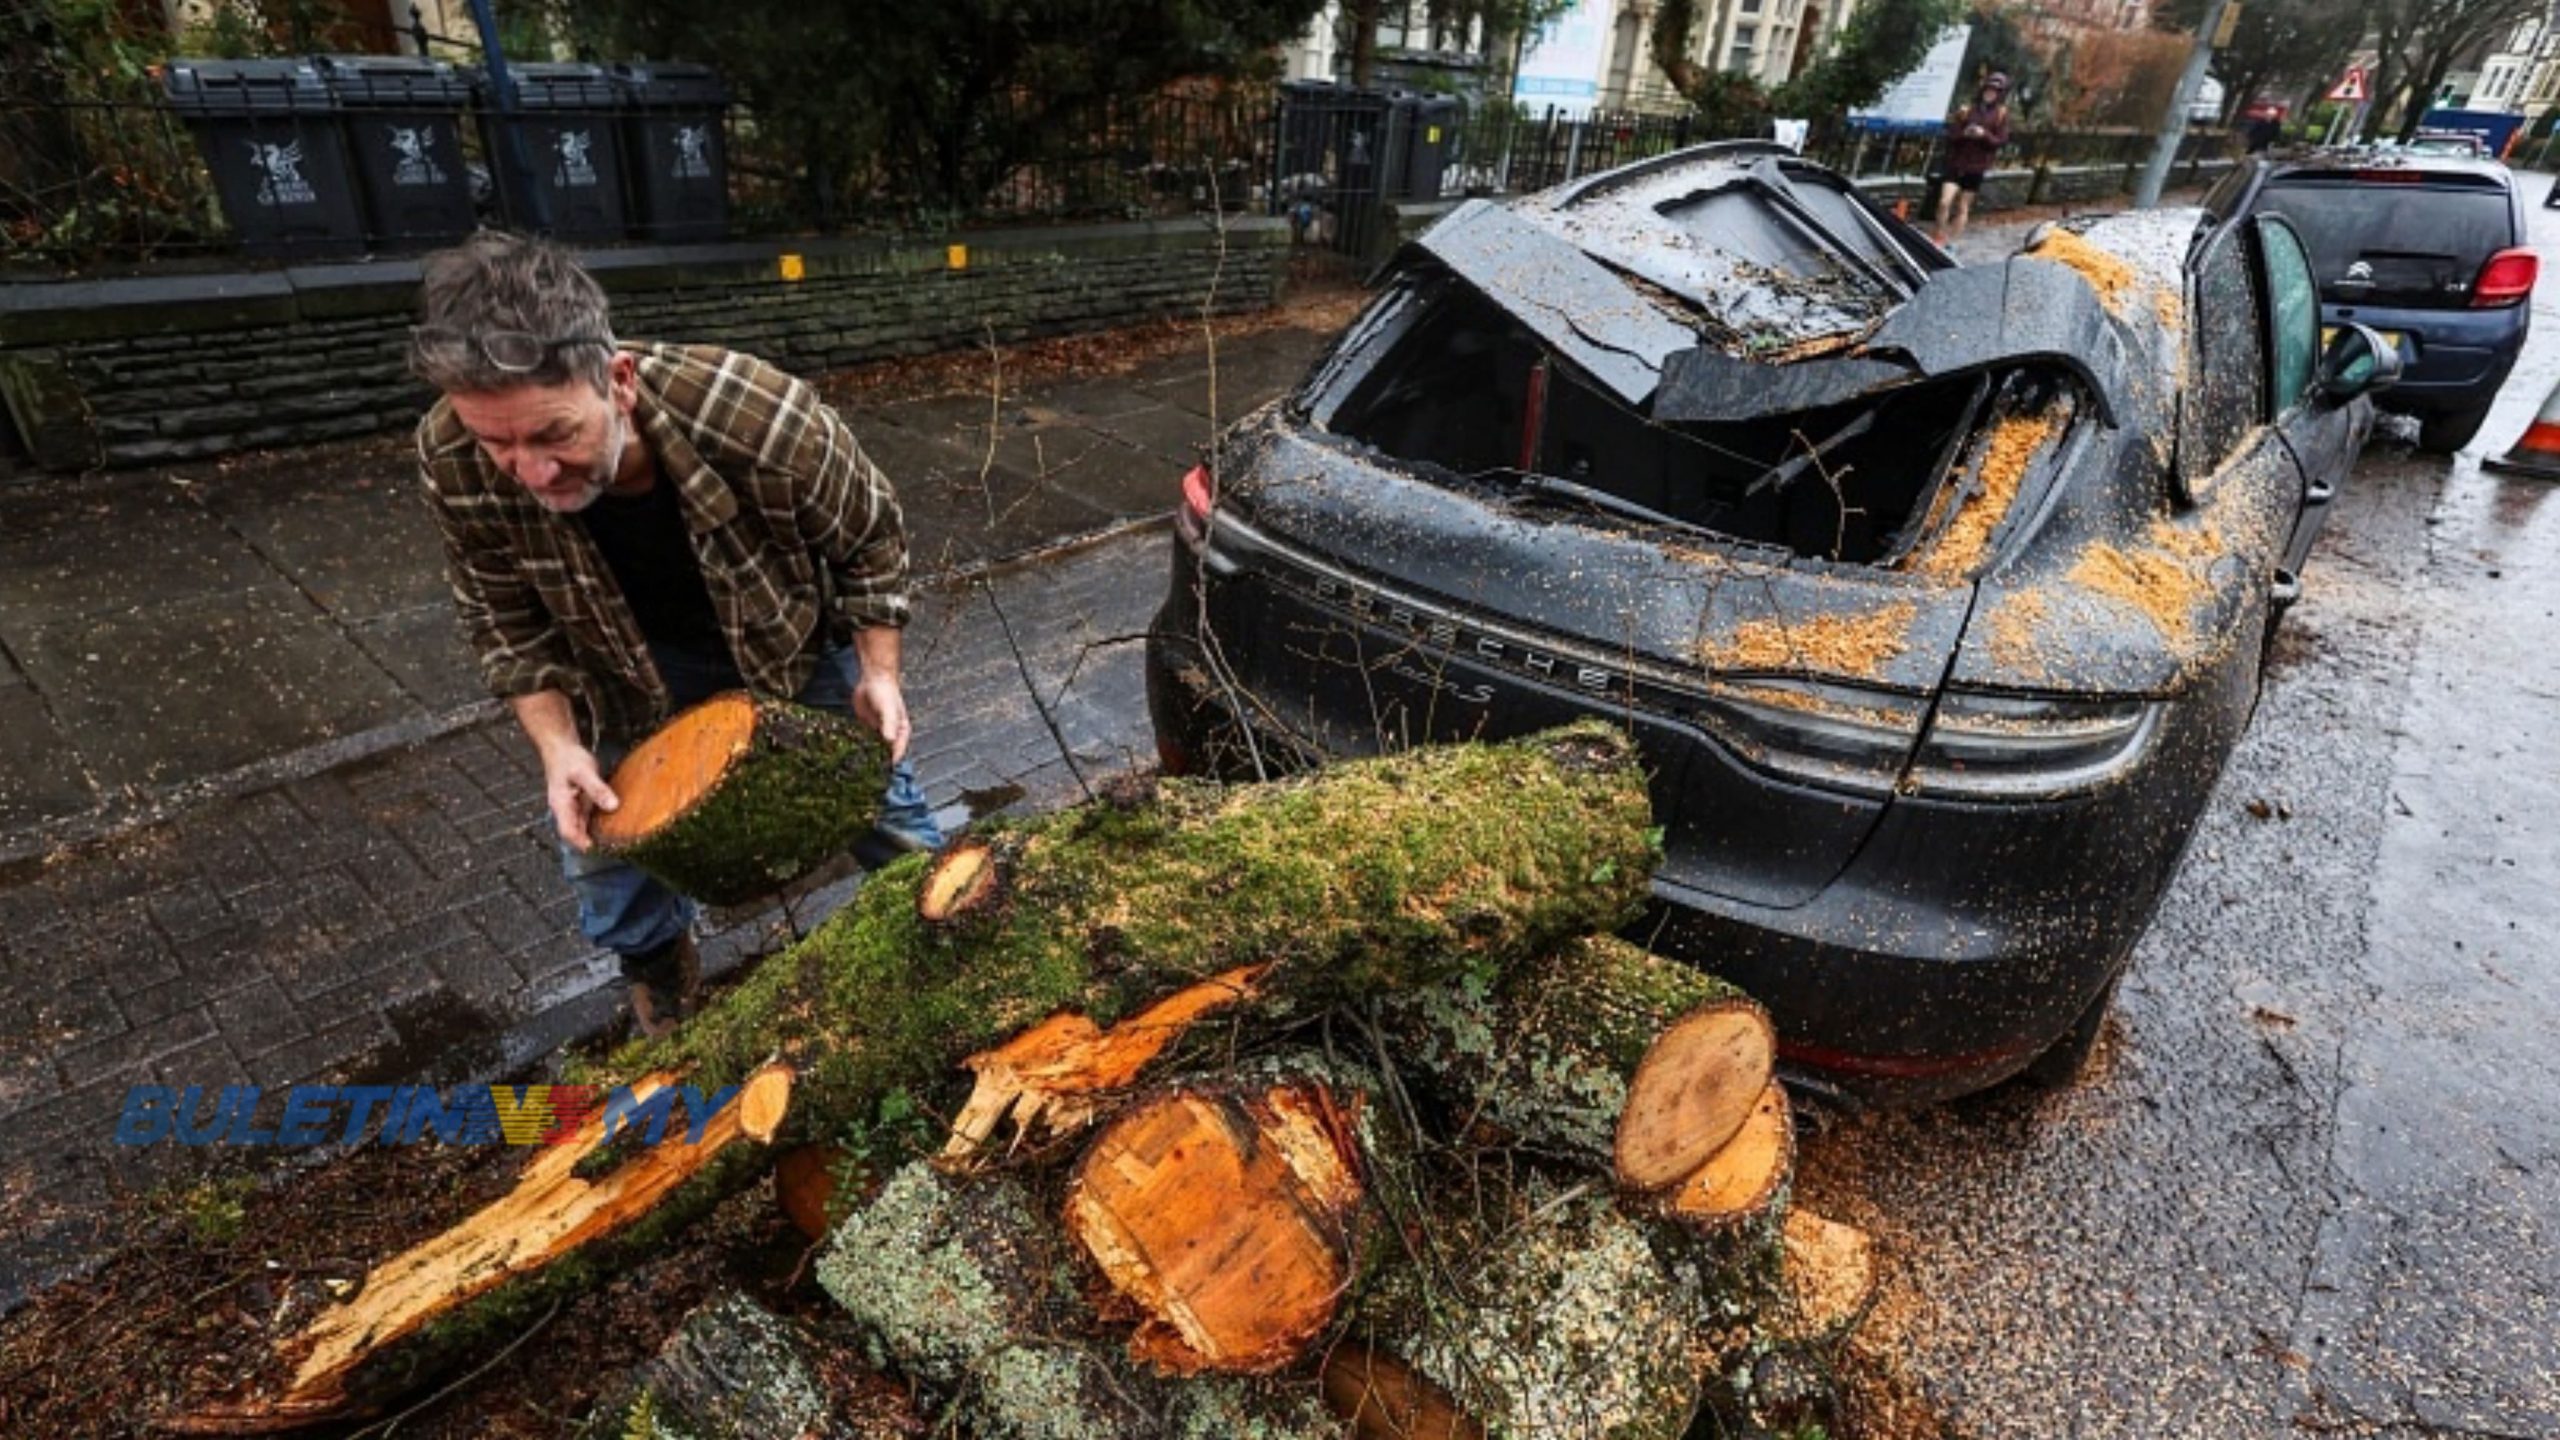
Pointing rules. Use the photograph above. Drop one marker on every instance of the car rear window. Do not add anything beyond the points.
(2394, 243)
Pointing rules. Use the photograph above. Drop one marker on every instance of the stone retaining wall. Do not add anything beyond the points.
(162, 368)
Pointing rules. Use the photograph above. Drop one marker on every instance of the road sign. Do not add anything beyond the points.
(2350, 90)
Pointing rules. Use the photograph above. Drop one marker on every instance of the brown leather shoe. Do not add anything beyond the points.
(666, 986)
(648, 1012)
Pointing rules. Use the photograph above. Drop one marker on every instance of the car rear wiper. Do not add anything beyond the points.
(1533, 486)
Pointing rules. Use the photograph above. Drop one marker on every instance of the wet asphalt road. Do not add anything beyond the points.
(2312, 1183)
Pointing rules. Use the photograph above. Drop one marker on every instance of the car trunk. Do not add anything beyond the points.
(2401, 239)
(1774, 602)
(1726, 478)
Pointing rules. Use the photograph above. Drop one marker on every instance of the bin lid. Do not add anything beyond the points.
(669, 85)
(245, 87)
(557, 85)
(406, 81)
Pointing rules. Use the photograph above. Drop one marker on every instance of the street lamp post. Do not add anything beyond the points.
(2164, 153)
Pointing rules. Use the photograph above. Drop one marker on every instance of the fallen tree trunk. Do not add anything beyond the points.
(1597, 1051)
(1366, 878)
(741, 795)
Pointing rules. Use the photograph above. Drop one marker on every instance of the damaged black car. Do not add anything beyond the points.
(1936, 596)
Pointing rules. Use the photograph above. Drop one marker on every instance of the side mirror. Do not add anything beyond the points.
(2357, 362)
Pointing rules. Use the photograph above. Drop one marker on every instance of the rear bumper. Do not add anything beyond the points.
(2460, 359)
(1960, 942)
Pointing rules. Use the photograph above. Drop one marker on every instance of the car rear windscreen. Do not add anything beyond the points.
(2394, 243)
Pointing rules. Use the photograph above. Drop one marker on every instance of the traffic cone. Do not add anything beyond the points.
(2536, 453)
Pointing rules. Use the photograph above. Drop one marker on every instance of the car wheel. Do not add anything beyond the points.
(2063, 1060)
(2450, 431)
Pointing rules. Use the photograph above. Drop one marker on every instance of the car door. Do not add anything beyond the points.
(2322, 438)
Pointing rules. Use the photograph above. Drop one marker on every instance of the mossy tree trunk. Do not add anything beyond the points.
(1595, 1051)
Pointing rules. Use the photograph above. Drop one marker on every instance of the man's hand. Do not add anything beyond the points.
(880, 704)
(1973, 131)
(576, 790)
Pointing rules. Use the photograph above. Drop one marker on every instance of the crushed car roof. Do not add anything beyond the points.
(1694, 281)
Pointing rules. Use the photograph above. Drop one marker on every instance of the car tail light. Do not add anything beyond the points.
(2506, 279)
(2013, 747)
(1197, 496)
(1836, 736)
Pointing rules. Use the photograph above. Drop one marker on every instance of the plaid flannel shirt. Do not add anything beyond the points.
(798, 534)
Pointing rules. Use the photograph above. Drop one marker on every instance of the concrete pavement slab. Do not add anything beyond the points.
(361, 543)
(41, 777)
(957, 517)
(422, 649)
(1099, 398)
(113, 545)
(1173, 437)
(1251, 371)
(187, 687)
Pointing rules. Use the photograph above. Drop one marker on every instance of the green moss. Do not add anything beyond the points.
(215, 1210)
(1377, 875)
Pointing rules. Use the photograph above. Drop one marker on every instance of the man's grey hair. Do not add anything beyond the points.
(494, 282)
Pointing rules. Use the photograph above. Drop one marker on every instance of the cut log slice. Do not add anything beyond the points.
(550, 1212)
(1746, 1177)
(741, 795)
(964, 882)
(1226, 1220)
(1698, 1086)
(1382, 1398)
(1596, 1052)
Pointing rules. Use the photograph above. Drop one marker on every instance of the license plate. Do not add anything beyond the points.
(2391, 338)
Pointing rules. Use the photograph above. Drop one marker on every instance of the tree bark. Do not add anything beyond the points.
(736, 1371)
(1559, 1314)
(741, 795)
(1368, 877)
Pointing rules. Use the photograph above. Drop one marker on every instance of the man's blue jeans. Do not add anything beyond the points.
(626, 912)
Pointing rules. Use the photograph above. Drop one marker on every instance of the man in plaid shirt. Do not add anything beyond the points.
(633, 528)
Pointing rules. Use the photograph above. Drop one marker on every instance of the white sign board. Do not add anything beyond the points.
(1924, 96)
(1561, 64)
